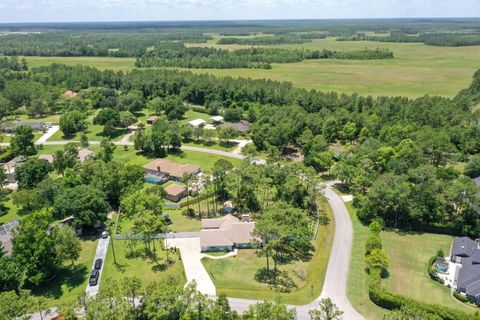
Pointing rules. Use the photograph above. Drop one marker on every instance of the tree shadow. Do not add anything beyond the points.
(276, 279)
(71, 277)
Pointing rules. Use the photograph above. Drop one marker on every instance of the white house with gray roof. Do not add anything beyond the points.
(466, 256)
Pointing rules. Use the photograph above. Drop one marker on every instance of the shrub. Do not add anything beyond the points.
(460, 297)
(373, 242)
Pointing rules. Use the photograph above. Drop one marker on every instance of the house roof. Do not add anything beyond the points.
(84, 154)
(477, 181)
(70, 94)
(241, 126)
(13, 125)
(171, 168)
(215, 231)
(469, 274)
(6, 235)
(152, 118)
(214, 238)
(48, 157)
(175, 189)
(197, 122)
(217, 118)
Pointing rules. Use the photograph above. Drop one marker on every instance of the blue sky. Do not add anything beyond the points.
(136, 10)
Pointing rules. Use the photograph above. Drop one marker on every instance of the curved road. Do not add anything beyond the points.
(335, 283)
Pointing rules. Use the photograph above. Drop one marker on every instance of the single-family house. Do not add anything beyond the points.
(227, 233)
(242, 126)
(10, 127)
(197, 123)
(69, 94)
(152, 119)
(85, 154)
(46, 157)
(10, 168)
(6, 233)
(465, 254)
(161, 170)
(216, 119)
(175, 192)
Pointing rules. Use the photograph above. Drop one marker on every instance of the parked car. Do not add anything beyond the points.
(94, 277)
(98, 264)
(104, 234)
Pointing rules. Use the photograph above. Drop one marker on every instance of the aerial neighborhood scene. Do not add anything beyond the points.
(229, 160)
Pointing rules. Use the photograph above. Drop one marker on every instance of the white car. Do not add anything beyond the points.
(104, 234)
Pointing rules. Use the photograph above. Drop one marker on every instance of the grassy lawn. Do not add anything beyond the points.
(211, 145)
(67, 286)
(12, 212)
(192, 115)
(134, 263)
(94, 133)
(235, 276)
(408, 269)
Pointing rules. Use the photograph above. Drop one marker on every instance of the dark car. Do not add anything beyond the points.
(93, 278)
(98, 264)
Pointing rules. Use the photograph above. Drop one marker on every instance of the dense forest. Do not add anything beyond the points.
(177, 55)
(274, 40)
(447, 39)
(65, 44)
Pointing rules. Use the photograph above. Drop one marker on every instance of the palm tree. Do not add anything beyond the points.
(187, 179)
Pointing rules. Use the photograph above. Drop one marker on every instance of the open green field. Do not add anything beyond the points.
(235, 276)
(67, 286)
(131, 261)
(416, 70)
(408, 269)
(102, 63)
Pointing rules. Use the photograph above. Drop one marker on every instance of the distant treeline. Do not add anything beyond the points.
(432, 39)
(177, 55)
(65, 44)
(274, 40)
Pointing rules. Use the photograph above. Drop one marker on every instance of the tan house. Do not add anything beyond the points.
(84, 154)
(47, 157)
(152, 119)
(227, 233)
(175, 192)
(165, 170)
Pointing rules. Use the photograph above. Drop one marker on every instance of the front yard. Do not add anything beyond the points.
(236, 276)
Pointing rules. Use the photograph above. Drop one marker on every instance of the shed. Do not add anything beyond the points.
(217, 119)
(196, 123)
(175, 192)
(152, 119)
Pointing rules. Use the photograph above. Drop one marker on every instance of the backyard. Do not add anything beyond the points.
(408, 268)
(235, 276)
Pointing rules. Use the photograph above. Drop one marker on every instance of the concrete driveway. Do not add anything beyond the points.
(101, 253)
(191, 258)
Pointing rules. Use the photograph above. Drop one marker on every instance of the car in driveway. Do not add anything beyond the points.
(104, 235)
(93, 278)
(98, 264)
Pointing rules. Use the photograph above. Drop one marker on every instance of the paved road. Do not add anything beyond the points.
(101, 253)
(335, 285)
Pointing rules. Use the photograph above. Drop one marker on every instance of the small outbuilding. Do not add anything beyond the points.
(84, 154)
(46, 157)
(175, 192)
(197, 123)
(217, 119)
(152, 119)
(228, 207)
